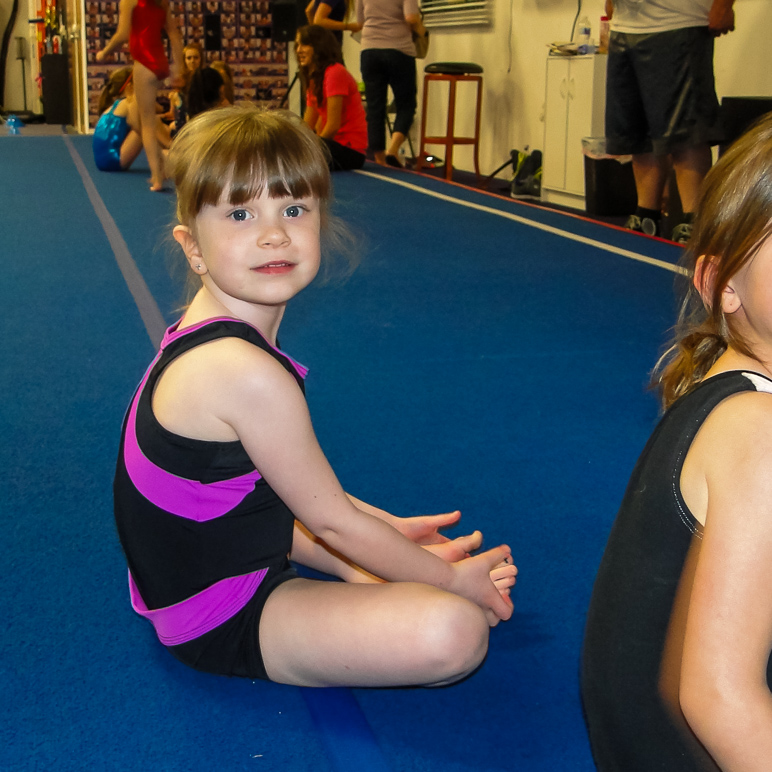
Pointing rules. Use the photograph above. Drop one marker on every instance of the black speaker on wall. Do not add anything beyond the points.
(286, 17)
(212, 32)
(738, 114)
(57, 104)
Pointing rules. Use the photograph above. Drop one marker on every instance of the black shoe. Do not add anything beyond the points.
(642, 225)
(392, 160)
(682, 233)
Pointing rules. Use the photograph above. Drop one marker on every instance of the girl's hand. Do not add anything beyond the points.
(454, 550)
(424, 529)
(474, 580)
(353, 27)
(100, 57)
(504, 577)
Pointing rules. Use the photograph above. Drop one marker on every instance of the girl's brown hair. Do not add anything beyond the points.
(734, 218)
(115, 85)
(236, 153)
(327, 51)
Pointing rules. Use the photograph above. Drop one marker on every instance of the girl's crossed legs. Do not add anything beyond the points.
(315, 633)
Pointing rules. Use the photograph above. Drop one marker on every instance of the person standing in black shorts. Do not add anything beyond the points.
(661, 100)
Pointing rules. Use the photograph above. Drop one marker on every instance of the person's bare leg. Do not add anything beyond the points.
(164, 133)
(650, 172)
(131, 148)
(691, 165)
(397, 138)
(146, 90)
(380, 157)
(399, 634)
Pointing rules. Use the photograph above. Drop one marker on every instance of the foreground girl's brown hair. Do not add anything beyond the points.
(240, 151)
(734, 217)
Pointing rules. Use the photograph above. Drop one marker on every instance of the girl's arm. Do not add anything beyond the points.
(322, 19)
(311, 116)
(334, 117)
(178, 57)
(423, 529)
(123, 31)
(723, 691)
(416, 23)
(310, 12)
(255, 396)
(314, 553)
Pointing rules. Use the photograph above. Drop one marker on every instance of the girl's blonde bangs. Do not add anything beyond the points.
(237, 153)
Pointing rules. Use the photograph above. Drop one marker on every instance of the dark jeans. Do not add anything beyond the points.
(381, 68)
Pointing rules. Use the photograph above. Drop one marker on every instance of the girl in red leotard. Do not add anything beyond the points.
(140, 22)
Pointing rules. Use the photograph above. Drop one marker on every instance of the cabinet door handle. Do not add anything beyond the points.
(563, 89)
(571, 88)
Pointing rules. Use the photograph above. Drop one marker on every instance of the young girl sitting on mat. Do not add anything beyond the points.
(117, 139)
(140, 22)
(333, 104)
(676, 671)
(220, 478)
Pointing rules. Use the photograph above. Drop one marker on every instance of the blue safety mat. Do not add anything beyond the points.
(472, 361)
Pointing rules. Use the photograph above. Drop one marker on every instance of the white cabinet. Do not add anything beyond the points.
(574, 108)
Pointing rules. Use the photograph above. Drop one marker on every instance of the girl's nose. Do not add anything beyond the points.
(273, 235)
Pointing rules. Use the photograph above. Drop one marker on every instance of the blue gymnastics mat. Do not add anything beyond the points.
(485, 355)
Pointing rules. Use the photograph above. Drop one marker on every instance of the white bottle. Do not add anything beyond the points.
(583, 34)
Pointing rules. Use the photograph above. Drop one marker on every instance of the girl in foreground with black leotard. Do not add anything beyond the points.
(220, 477)
(676, 670)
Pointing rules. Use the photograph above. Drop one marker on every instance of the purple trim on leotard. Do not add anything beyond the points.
(199, 614)
(180, 496)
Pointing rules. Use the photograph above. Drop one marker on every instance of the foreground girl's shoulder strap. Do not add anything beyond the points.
(178, 341)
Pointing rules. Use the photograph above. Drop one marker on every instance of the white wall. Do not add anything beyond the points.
(513, 51)
(14, 95)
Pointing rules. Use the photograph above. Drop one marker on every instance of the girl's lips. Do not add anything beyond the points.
(277, 266)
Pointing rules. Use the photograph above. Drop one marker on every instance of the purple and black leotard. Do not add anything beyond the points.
(205, 537)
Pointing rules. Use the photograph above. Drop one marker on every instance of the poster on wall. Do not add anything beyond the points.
(238, 32)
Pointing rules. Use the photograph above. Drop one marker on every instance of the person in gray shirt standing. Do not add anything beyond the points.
(388, 60)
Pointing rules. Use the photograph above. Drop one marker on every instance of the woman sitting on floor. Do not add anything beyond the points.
(333, 105)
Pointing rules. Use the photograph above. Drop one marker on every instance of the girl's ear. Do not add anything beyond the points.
(705, 282)
(185, 238)
(730, 300)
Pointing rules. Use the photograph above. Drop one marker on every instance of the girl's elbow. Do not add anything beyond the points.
(710, 708)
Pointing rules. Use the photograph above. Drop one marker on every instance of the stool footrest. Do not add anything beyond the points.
(450, 140)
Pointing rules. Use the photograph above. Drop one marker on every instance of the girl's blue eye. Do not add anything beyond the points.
(293, 211)
(239, 215)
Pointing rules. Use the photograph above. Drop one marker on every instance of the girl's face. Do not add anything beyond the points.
(304, 53)
(262, 252)
(192, 59)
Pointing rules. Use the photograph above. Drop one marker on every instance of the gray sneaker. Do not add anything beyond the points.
(682, 233)
(642, 225)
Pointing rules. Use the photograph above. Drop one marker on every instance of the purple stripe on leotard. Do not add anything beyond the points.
(199, 614)
(180, 496)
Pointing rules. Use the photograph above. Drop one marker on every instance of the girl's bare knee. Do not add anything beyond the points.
(455, 639)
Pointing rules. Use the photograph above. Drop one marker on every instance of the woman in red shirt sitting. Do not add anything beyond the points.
(333, 106)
